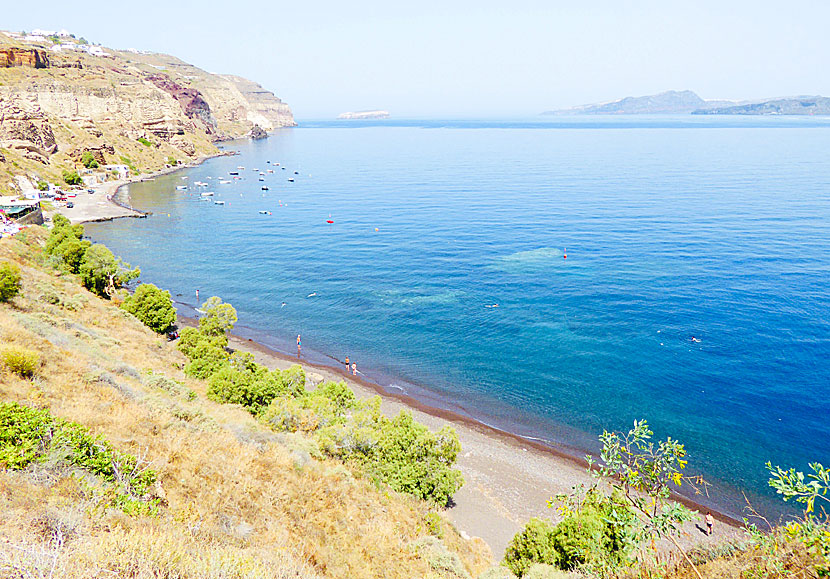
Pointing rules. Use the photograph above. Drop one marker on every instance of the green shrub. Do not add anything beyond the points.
(242, 381)
(534, 544)
(22, 362)
(42, 186)
(101, 272)
(596, 537)
(152, 306)
(24, 434)
(9, 281)
(88, 160)
(28, 435)
(145, 142)
(71, 178)
(218, 318)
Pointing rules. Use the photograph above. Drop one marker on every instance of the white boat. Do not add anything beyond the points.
(224, 182)
(263, 213)
(207, 194)
(181, 187)
(218, 202)
(200, 184)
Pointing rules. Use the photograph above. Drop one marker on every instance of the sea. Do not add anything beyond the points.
(551, 277)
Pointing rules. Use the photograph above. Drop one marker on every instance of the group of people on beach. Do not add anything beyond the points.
(353, 366)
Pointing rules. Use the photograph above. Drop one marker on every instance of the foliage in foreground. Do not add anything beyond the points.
(9, 281)
(29, 435)
(152, 306)
(398, 452)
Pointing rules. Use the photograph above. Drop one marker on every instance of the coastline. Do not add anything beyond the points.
(508, 478)
(95, 207)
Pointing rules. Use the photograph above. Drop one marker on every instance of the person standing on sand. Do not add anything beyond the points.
(299, 345)
(354, 369)
(710, 523)
(347, 363)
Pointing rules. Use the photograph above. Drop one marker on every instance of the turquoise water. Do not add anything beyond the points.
(717, 228)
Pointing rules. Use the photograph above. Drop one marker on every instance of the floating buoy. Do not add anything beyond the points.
(566, 254)
(329, 220)
(376, 229)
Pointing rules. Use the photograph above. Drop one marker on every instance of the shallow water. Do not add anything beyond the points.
(717, 228)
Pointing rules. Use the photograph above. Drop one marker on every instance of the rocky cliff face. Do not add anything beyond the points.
(28, 57)
(145, 108)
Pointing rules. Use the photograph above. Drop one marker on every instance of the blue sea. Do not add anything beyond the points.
(444, 275)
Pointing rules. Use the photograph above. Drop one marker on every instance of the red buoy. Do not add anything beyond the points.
(566, 255)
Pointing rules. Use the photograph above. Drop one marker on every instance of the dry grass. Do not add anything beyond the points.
(239, 500)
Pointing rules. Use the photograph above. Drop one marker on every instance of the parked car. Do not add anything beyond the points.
(69, 205)
(90, 191)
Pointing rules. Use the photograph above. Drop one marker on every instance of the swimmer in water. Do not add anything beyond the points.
(283, 305)
(695, 340)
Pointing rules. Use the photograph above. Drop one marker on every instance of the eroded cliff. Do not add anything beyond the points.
(137, 109)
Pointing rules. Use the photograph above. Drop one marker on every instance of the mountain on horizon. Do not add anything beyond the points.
(668, 102)
(675, 102)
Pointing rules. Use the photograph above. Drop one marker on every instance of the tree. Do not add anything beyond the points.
(88, 160)
(218, 318)
(102, 274)
(72, 178)
(643, 476)
(152, 306)
(9, 281)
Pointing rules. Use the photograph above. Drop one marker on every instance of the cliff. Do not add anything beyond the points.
(148, 109)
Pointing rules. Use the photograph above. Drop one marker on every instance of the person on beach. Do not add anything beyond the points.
(299, 345)
(347, 363)
(710, 523)
(354, 369)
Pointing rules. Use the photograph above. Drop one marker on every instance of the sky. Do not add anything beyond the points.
(468, 59)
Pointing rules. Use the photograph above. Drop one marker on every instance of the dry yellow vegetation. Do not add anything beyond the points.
(237, 500)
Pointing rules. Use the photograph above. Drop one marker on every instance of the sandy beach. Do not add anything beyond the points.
(101, 206)
(507, 480)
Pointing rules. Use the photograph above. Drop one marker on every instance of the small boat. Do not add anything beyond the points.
(283, 168)
(296, 172)
(207, 194)
(200, 184)
(218, 202)
(291, 180)
(233, 172)
(329, 220)
(265, 213)
(261, 173)
(240, 167)
(270, 170)
(265, 188)
(261, 179)
(224, 182)
(181, 188)
(204, 198)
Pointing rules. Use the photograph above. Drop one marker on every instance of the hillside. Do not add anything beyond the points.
(224, 496)
(140, 110)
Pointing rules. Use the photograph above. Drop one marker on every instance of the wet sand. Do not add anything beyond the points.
(508, 479)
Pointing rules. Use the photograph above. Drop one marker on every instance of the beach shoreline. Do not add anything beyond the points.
(103, 205)
(508, 478)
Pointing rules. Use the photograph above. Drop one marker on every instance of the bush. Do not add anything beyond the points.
(71, 178)
(28, 435)
(72, 252)
(152, 306)
(22, 362)
(101, 273)
(218, 318)
(9, 281)
(145, 142)
(88, 160)
(42, 186)
(534, 544)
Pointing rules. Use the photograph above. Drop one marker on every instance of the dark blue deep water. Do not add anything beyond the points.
(717, 228)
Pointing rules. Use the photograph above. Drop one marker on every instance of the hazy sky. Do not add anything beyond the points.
(470, 58)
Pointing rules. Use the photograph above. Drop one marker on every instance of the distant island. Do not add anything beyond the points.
(363, 115)
(688, 102)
